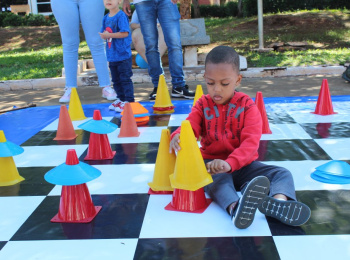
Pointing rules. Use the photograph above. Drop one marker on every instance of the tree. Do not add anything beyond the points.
(185, 9)
(196, 10)
(240, 11)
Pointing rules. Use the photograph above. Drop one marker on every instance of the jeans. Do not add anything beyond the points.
(121, 72)
(223, 189)
(69, 14)
(169, 18)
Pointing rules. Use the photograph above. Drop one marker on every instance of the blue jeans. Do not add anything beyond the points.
(69, 14)
(223, 189)
(169, 18)
(121, 72)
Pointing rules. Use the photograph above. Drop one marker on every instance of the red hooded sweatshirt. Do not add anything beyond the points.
(228, 132)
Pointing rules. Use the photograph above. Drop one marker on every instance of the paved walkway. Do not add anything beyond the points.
(270, 87)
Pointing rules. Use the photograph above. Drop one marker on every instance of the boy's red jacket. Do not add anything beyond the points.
(229, 132)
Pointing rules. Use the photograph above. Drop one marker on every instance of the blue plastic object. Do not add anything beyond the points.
(8, 149)
(98, 126)
(335, 167)
(68, 175)
(141, 62)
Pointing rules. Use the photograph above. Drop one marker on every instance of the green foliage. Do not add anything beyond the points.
(229, 9)
(11, 19)
(250, 7)
(35, 20)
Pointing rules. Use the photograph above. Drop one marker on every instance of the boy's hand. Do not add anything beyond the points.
(218, 166)
(126, 7)
(175, 144)
(105, 35)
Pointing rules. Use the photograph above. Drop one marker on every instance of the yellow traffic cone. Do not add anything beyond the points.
(199, 93)
(190, 172)
(8, 171)
(162, 104)
(75, 110)
(165, 164)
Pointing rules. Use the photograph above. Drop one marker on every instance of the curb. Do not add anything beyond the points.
(89, 78)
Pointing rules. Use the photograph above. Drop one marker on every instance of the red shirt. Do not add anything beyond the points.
(228, 132)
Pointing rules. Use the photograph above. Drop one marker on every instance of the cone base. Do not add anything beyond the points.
(65, 139)
(152, 192)
(324, 114)
(56, 219)
(164, 112)
(13, 182)
(133, 135)
(198, 211)
(91, 158)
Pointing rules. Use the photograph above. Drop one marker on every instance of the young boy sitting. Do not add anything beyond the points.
(230, 127)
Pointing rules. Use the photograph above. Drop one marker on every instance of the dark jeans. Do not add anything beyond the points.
(121, 72)
(223, 189)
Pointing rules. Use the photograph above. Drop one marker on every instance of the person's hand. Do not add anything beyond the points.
(175, 144)
(218, 166)
(126, 7)
(105, 35)
(174, 1)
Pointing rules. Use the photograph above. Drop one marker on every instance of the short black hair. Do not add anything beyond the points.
(223, 54)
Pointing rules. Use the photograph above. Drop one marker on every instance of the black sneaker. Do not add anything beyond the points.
(182, 92)
(346, 74)
(153, 94)
(256, 190)
(290, 212)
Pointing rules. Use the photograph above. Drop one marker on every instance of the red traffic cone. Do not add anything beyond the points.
(324, 105)
(259, 101)
(76, 205)
(65, 129)
(189, 201)
(99, 148)
(128, 127)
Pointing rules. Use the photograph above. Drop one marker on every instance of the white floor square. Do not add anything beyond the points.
(286, 131)
(14, 212)
(301, 171)
(213, 222)
(308, 117)
(337, 149)
(70, 249)
(46, 155)
(118, 179)
(176, 119)
(147, 135)
(313, 247)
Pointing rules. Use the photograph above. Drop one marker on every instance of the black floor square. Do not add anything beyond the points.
(33, 185)
(121, 216)
(131, 153)
(207, 248)
(2, 244)
(330, 214)
(291, 150)
(327, 130)
(279, 118)
(43, 138)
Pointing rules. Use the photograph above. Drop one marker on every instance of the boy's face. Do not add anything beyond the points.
(222, 81)
(111, 4)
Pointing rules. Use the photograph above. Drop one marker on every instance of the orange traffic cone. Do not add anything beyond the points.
(259, 101)
(141, 114)
(128, 127)
(324, 105)
(65, 130)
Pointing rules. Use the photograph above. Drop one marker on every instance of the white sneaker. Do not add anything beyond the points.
(109, 93)
(114, 104)
(66, 96)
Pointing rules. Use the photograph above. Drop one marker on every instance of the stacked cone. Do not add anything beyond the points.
(324, 105)
(8, 171)
(333, 172)
(162, 104)
(76, 205)
(259, 101)
(164, 166)
(199, 93)
(140, 113)
(99, 146)
(190, 175)
(75, 109)
(65, 129)
(128, 127)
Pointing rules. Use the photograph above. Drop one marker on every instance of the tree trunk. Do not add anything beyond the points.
(196, 10)
(185, 9)
(222, 2)
(240, 10)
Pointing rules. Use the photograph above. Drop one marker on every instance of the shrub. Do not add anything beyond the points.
(12, 19)
(35, 20)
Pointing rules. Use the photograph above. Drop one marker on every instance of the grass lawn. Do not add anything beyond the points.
(36, 52)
